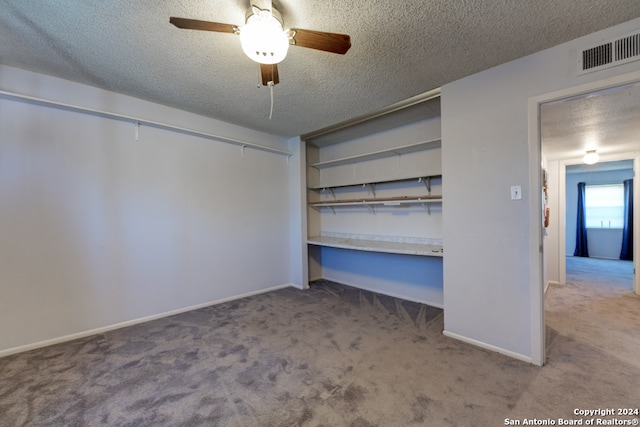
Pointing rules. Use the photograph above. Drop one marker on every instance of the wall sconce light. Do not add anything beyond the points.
(591, 157)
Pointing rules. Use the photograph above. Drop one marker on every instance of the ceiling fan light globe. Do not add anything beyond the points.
(263, 40)
(591, 157)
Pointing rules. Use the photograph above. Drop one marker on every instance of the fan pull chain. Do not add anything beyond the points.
(271, 84)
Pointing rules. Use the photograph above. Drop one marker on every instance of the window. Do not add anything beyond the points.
(604, 206)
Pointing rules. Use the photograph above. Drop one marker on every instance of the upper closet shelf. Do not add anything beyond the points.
(426, 179)
(378, 154)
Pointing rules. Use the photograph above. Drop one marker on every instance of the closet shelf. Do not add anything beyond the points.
(379, 154)
(404, 248)
(376, 182)
(389, 201)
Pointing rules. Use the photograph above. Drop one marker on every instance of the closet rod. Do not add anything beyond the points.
(134, 120)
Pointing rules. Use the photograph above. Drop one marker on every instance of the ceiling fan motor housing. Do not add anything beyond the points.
(263, 38)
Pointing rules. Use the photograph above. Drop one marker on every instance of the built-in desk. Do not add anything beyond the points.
(386, 244)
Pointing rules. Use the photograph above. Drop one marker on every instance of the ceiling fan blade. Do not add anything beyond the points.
(194, 24)
(269, 73)
(329, 42)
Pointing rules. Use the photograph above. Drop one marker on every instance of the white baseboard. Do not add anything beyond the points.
(486, 346)
(549, 283)
(108, 328)
(293, 285)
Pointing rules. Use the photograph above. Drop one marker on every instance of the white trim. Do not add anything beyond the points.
(536, 242)
(550, 283)
(389, 294)
(636, 227)
(137, 121)
(293, 285)
(486, 346)
(108, 328)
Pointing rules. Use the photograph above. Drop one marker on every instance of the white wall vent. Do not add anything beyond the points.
(609, 54)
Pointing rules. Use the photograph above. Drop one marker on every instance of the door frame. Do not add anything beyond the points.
(536, 217)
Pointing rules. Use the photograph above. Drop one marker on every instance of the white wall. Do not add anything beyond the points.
(490, 271)
(410, 277)
(99, 230)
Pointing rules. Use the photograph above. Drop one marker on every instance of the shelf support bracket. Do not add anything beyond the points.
(330, 207)
(427, 183)
(426, 205)
(371, 208)
(372, 186)
(330, 190)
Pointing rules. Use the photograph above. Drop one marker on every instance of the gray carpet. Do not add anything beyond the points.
(328, 356)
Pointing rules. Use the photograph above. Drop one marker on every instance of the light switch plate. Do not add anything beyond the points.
(516, 192)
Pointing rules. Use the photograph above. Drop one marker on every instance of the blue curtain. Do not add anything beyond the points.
(581, 224)
(627, 232)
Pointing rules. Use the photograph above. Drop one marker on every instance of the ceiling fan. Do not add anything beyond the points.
(264, 39)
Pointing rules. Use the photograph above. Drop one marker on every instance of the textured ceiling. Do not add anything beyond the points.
(399, 49)
(607, 121)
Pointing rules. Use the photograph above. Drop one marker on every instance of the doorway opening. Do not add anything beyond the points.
(605, 119)
(607, 252)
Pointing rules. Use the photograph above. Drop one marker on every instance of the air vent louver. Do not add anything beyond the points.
(597, 56)
(610, 54)
(628, 47)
